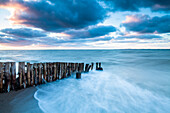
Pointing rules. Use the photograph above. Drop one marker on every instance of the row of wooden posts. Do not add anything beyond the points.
(38, 73)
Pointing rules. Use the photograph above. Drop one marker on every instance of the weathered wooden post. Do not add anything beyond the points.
(39, 73)
(23, 73)
(44, 71)
(97, 65)
(89, 68)
(32, 75)
(60, 72)
(82, 67)
(48, 72)
(51, 72)
(69, 69)
(72, 67)
(13, 73)
(62, 68)
(1, 76)
(28, 74)
(55, 71)
(76, 66)
(86, 68)
(79, 67)
(92, 64)
(78, 74)
(20, 74)
(35, 74)
(65, 70)
(99, 68)
(58, 69)
(8, 77)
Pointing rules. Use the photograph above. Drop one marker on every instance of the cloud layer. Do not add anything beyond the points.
(24, 32)
(142, 36)
(58, 15)
(135, 5)
(95, 31)
(146, 24)
(81, 22)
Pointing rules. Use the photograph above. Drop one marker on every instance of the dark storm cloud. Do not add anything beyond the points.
(4, 1)
(134, 5)
(142, 36)
(91, 32)
(24, 32)
(60, 15)
(146, 24)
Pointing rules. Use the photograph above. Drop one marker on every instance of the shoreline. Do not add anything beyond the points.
(21, 101)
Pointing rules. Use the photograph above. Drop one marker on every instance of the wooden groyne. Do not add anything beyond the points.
(38, 73)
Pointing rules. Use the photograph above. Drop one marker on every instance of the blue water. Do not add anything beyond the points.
(133, 81)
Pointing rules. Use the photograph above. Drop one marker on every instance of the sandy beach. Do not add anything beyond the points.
(21, 101)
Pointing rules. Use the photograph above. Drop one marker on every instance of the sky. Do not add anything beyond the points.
(84, 24)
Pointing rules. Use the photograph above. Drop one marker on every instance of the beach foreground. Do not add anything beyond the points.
(133, 81)
(21, 101)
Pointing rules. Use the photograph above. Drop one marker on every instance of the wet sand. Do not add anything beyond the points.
(21, 101)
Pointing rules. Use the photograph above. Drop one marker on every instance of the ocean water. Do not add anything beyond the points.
(133, 81)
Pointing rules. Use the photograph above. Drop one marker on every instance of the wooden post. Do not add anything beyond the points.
(97, 66)
(1, 76)
(35, 73)
(86, 68)
(76, 66)
(45, 71)
(23, 73)
(48, 72)
(78, 75)
(82, 67)
(55, 71)
(20, 74)
(51, 71)
(8, 77)
(79, 67)
(92, 64)
(64, 70)
(72, 67)
(61, 69)
(32, 75)
(39, 73)
(28, 74)
(13, 73)
(69, 69)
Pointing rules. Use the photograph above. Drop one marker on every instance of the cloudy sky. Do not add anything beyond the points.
(84, 24)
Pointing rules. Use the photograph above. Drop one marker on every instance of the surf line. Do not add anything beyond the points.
(39, 73)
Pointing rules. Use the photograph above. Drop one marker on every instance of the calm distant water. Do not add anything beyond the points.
(133, 81)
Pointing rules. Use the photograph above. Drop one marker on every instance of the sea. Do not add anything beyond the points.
(132, 81)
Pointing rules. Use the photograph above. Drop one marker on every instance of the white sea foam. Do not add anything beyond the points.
(99, 92)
